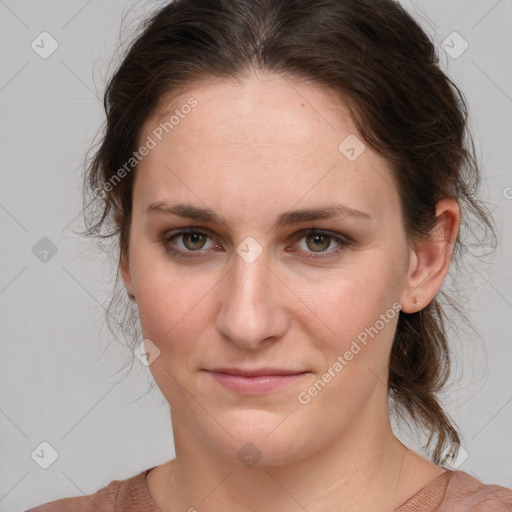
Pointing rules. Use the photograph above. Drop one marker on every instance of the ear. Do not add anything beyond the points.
(126, 275)
(430, 259)
(123, 259)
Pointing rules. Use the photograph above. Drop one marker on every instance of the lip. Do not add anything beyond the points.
(255, 382)
(256, 372)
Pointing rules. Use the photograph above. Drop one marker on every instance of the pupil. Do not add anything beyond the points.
(195, 239)
(317, 238)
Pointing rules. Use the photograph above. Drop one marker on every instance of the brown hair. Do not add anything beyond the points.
(387, 71)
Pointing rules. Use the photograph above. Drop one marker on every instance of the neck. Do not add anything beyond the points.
(339, 474)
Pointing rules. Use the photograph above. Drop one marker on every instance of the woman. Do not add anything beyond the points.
(287, 180)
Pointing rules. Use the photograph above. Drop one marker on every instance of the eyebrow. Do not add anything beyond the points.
(189, 211)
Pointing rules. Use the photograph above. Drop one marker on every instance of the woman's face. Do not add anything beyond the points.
(249, 288)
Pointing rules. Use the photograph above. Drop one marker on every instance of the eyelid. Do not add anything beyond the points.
(344, 242)
(183, 231)
(319, 231)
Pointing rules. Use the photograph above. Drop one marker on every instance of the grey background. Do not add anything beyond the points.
(57, 380)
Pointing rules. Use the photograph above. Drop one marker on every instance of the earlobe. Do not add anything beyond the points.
(431, 258)
(409, 301)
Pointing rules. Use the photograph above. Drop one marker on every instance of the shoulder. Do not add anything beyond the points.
(126, 495)
(466, 493)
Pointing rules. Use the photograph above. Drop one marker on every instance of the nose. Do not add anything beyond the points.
(252, 312)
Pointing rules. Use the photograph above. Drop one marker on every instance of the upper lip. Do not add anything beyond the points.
(257, 371)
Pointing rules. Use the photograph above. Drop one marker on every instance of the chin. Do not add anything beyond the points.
(259, 438)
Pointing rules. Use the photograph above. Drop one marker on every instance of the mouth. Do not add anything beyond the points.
(256, 381)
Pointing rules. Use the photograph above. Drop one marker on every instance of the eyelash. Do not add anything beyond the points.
(343, 242)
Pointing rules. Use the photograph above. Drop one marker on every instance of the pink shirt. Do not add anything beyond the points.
(452, 491)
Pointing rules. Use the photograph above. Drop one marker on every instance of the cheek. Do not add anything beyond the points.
(344, 303)
(167, 318)
(361, 315)
(173, 309)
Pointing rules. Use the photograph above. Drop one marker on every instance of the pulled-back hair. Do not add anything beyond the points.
(386, 70)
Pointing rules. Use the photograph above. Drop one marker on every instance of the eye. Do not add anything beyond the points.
(192, 243)
(316, 243)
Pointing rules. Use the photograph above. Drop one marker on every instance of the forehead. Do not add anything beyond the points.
(276, 137)
(256, 109)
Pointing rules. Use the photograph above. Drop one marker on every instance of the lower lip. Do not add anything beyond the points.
(255, 385)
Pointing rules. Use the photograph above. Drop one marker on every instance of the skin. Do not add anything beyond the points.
(250, 150)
